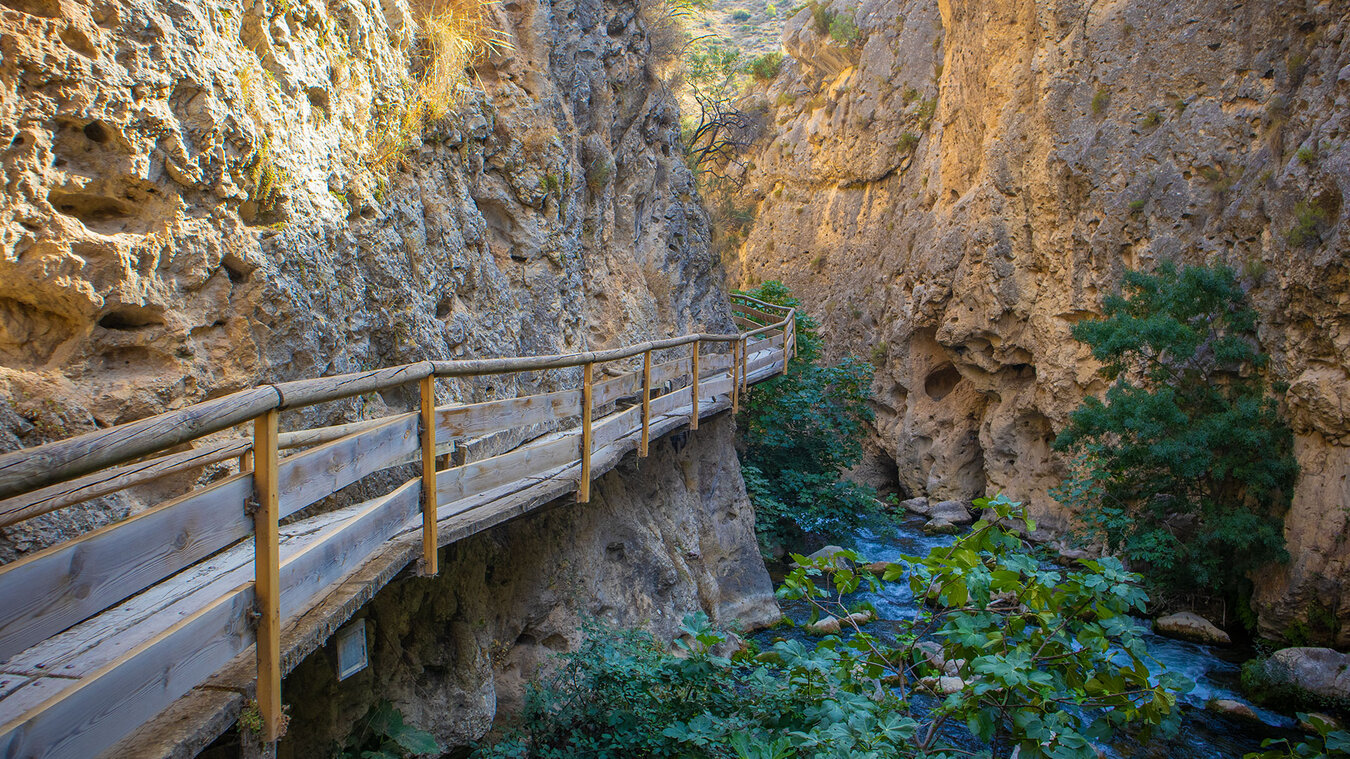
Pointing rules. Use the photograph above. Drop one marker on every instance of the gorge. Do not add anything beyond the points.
(202, 198)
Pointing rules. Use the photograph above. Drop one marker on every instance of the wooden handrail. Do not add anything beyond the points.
(78, 580)
(32, 468)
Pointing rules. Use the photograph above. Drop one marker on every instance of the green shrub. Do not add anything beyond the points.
(1186, 467)
(622, 694)
(844, 31)
(1137, 206)
(927, 109)
(382, 734)
(909, 95)
(799, 433)
(1152, 119)
(907, 142)
(1307, 156)
(598, 173)
(765, 67)
(740, 15)
(1309, 219)
(1328, 741)
(821, 18)
(1100, 99)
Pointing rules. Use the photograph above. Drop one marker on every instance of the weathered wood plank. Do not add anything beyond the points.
(645, 444)
(78, 722)
(311, 391)
(319, 472)
(587, 410)
(33, 468)
(763, 317)
(51, 590)
(613, 389)
(341, 549)
(266, 567)
(112, 480)
(428, 444)
(481, 418)
(460, 482)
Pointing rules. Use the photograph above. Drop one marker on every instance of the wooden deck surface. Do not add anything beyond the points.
(138, 640)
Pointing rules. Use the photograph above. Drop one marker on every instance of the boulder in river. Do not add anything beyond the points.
(940, 527)
(828, 552)
(1315, 673)
(915, 506)
(956, 512)
(1232, 708)
(824, 626)
(1193, 627)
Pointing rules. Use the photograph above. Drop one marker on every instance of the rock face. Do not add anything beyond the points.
(1318, 673)
(199, 197)
(1192, 627)
(952, 194)
(661, 537)
(202, 197)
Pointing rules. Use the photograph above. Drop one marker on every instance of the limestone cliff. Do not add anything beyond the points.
(957, 188)
(199, 197)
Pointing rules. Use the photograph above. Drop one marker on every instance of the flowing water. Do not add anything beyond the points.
(1215, 671)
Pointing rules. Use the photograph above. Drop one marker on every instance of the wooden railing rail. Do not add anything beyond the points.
(54, 590)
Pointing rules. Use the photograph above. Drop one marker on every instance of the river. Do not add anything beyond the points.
(1215, 671)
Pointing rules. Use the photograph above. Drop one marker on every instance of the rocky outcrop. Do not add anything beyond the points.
(202, 197)
(958, 189)
(1314, 675)
(1193, 627)
(661, 537)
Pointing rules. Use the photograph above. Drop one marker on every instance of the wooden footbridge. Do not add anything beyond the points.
(186, 608)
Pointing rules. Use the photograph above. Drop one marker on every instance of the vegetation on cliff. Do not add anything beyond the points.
(1186, 467)
(799, 433)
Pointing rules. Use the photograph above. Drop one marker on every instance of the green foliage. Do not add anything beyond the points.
(1186, 467)
(1025, 641)
(740, 15)
(598, 173)
(382, 734)
(844, 31)
(908, 141)
(799, 433)
(821, 17)
(1137, 206)
(1309, 218)
(1326, 742)
(1307, 156)
(765, 67)
(1152, 119)
(927, 109)
(1100, 99)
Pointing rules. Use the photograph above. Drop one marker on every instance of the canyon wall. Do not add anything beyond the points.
(958, 187)
(200, 197)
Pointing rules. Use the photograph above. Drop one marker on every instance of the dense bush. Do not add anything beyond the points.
(1186, 466)
(1050, 661)
(765, 67)
(799, 433)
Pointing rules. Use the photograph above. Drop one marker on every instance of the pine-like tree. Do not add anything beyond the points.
(1186, 467)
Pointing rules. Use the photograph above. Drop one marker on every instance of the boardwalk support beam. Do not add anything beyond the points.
(587, 393)
(646, 403)
(428, 393)
(693, 415)
(267, 572)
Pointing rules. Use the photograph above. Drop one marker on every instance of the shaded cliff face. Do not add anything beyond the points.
(192, 206)
(957, 190)
(662, 537)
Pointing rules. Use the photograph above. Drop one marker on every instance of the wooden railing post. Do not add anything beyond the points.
(267, 572)
(693, 416)
(735, 377)
(587, 390)
(745, 364)
(646, 402)
(787, 330)
(429, 543)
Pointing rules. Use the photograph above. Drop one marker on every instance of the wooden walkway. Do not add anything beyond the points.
(156, 617)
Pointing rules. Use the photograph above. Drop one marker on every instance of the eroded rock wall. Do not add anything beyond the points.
(661, 537)
(954, 192)
(199, 197)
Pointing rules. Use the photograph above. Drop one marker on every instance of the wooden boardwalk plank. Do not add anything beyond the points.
(51, 590)
(319, 472)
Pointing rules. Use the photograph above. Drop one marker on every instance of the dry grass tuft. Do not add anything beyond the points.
(453, 36)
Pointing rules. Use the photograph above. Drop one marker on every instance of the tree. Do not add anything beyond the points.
(799, 433)
(1186, 466)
